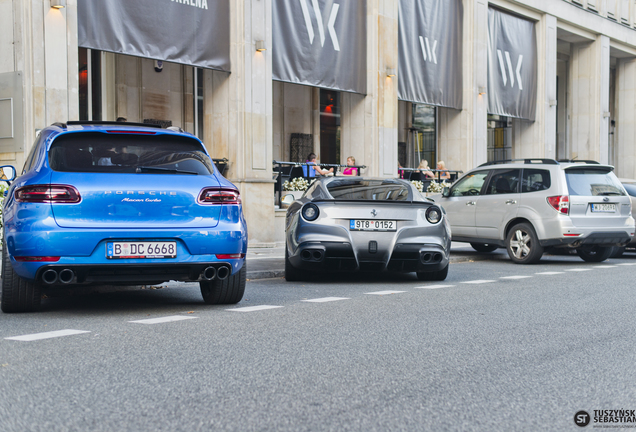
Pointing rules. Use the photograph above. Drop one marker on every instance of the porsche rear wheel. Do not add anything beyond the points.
(18, 295)
(226, 291)
(438, 275)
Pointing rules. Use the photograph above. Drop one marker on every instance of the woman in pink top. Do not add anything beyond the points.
(350, 171)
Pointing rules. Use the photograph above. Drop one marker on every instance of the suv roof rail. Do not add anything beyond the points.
(525, 161)
(578, 161)
(59, 124)
(113, 123)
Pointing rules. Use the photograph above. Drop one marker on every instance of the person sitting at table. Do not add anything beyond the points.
(350, 171)
(443, 173)
(315, 170)
(425, 169)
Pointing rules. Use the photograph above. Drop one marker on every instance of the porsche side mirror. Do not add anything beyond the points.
(7, 173)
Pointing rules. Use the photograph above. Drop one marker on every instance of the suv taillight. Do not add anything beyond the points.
(219, 196)
(561, 203)
(47, 194)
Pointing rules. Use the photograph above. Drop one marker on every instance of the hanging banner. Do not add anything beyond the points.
(192, 32)
(430, 52)
(320, 43)
(512, 65)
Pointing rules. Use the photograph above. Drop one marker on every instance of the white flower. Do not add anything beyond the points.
(435, 187)
(418, 185)
(298, 184)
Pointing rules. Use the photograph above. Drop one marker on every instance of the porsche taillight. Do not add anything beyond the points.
(219, 196)
(48, 194)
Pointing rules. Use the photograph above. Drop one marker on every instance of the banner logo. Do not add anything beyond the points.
(512, 74)
(321, 28)
(426, 48)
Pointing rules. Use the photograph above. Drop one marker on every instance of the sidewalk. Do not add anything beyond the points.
(266, 263)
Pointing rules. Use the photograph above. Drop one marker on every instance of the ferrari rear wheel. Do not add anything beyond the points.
(225, 291)
(438, 275)
(484, 247)
(292, 274)
(18, 295)
(594, 253)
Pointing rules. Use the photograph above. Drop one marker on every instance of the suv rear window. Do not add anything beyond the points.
(593, 182)
(376, 190)
(128, 153)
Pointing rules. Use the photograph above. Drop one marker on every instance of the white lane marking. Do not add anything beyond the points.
(549, 273)
(385, 292)
(627, 264)
(514, 277)
(480, 281)
(326, 299)
(578, 269)
(163, 319)
(47, 335)
(253, 308)
(433, 286)
(604, 266)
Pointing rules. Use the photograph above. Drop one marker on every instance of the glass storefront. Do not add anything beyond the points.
(423, 136)
(90, 84)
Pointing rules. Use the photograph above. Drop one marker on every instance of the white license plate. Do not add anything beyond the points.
(604, 208)
(372, 225)
(143, 249)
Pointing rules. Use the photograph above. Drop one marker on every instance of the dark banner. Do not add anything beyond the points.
(192, 32)
(320, 43)
(512, 65)
(430, 52)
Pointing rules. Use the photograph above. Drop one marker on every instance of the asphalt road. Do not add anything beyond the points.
(496, 346)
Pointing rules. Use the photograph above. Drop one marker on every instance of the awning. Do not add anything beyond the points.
(430, 52)
(192, 32)
(320, 43)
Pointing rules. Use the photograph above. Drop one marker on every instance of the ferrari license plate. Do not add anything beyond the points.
(142, 249)
(604, 208)
(372, 225)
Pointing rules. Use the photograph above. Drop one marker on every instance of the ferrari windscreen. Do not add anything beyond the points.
(375, 190)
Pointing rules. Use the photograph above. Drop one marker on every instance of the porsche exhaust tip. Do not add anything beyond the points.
(209, 273)
(66, 276)
(223, 272)
(49, 277)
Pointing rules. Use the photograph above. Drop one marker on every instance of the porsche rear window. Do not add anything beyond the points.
(376, 190)
(128, 153)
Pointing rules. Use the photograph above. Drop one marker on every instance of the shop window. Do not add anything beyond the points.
(423, 142)
(329, 126)
(90, 84)
(499, 138)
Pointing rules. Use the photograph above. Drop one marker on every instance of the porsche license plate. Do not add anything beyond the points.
(142, 249)
(372, 225)
(604, 208)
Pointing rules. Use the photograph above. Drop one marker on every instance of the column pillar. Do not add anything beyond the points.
(250, 132)
(462, 134)
(625, 151)
(589, 111)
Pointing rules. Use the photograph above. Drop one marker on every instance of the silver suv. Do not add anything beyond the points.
(528, 205)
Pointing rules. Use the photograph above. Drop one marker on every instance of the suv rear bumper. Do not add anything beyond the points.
(602, 238)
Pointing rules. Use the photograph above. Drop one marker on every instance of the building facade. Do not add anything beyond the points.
(390, 82)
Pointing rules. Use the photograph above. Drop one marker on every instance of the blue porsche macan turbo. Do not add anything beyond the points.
(120, 204)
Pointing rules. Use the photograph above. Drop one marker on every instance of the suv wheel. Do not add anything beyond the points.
(226, 291)
(483, 247)
(523, 245)
(594, 253)
(18, 295)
